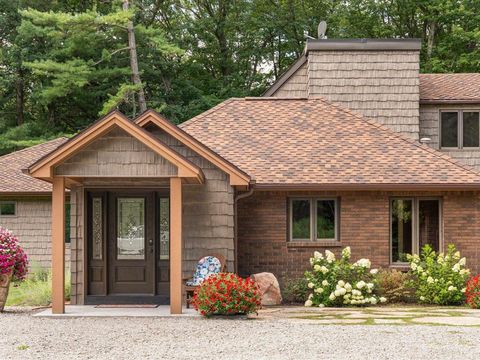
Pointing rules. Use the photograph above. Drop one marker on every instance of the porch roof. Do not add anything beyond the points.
(44, 167)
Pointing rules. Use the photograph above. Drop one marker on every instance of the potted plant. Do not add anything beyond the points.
(13, 263)
(226, 294)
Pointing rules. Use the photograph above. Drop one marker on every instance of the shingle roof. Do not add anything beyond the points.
(311, 141)
(13, 180)
(450, 88)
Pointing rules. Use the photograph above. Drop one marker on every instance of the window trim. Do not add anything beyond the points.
(459, 129)
(14, 208)
(415, 222)
(313, 219)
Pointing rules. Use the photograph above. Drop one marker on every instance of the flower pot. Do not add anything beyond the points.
(4, 287)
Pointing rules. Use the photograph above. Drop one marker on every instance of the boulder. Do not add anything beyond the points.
(269, 288)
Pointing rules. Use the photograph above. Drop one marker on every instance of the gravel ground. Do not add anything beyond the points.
(26, 337)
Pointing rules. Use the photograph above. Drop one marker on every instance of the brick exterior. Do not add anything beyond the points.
(364, 226)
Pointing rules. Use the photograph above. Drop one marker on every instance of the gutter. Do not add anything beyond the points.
(235, 223)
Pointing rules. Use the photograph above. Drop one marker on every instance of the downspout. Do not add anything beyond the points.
(235, 220)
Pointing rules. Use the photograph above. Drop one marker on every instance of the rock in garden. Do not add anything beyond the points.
(269, 288)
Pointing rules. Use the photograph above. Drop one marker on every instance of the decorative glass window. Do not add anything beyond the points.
(414, 223)
(459, 129)
(313, 219)
(164, 228)
(97, 228)
(8, 208)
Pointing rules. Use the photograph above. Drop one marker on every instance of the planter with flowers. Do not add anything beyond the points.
(338, 282)
(226, 294)
(13, 263)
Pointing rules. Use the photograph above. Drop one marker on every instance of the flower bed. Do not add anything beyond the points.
(472, 292)
(226, 294)
(338, 282)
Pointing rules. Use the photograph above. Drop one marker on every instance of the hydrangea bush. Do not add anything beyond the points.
(439, 278)
(226, 294)
(338, 282)
(12, 257)
(472, 292)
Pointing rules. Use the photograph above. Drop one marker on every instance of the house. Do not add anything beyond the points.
(330, 157)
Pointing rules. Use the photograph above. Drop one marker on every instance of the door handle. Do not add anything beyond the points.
(150, 243)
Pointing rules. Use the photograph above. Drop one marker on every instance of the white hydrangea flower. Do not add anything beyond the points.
(319, 290)
(373, 301)
(332, 296)
(419, 269)
(383, 299)
(341, 283)
(356, 292)
(361, 284)
(346, 252)
(348, 287)
(457, 255)
(330, 256)
(308, 303)
(462, 261)
(353, 302)
(430, 280)
(365, 263)
(324, 269)
(373, 271)
(463, 271)
(422, 298)
(312, 260)
(370, 285)
(310, 285)
(463, 290)
(337, 293)
(456, 267)
(452, 288)
(321, 305)
(325, 283)
(317, 267)
(310, 297)
(413, 266)
(318, 255)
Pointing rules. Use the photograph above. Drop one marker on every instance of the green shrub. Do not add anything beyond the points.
(295, 290)
(36, 290)
(335, 282)
(439, 279)
(395, 286)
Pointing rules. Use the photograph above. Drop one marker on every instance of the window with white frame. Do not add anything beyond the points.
(8, 208)
(414, 223)
(460, 129)
(313, 219)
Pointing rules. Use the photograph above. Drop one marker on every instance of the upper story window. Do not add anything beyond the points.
(313, 219)
(8, 208)
(460, 129)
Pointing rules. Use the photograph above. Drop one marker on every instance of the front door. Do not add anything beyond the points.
(131, 243)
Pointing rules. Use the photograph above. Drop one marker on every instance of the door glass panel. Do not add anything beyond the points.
(164, 224)
(130, 228)
(471, 129)
(402, 229)
(97, 228)
(429, 224)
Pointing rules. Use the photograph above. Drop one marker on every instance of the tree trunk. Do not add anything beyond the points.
(431, 30)
(20, 102)
(134, 61)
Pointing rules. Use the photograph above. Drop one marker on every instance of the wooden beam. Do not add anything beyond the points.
(58, 245)
(176, 246)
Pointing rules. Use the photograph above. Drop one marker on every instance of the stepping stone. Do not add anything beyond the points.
(389, 321)
(451, 320)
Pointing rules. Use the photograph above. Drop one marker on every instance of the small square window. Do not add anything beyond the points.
(8, 208)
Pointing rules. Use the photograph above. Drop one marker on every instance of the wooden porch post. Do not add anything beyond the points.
(58, 245)
(176, 245)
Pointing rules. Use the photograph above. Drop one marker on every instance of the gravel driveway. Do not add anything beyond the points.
(25, 337)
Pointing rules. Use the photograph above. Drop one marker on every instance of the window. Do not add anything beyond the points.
(8, 208)
(459, 129)
(313, 219)
(414, 223)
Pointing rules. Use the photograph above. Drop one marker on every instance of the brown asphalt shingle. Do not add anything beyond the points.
(445, 87)
(311, 141)
(12, 180)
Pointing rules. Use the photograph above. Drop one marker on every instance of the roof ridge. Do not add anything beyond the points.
(208, 112)
(2, 157)
(401, 136)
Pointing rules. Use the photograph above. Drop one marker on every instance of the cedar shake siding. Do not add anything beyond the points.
(32, 226)
(296, 85)
(364, 226)
(382, 85)
(208, 215)
(430, 128)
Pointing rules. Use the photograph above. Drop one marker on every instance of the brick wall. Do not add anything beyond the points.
(364, 226)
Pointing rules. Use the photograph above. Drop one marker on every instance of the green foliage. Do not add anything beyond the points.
(295, 290)
(36, 290)
(395, 286)
(439, 278)
(338, 282)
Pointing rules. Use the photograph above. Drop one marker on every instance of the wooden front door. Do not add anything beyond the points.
(128, 246)
(131, 243)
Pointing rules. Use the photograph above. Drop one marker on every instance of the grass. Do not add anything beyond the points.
(36, 290)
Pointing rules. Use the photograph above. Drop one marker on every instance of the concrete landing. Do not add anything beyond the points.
(93, 311)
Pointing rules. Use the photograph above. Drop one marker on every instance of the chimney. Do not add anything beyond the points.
(377, 78)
